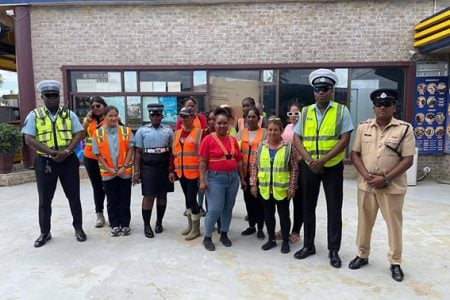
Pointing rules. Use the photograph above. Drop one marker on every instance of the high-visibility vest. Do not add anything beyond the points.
(89, 133)
(319, 141)
(124, 136)
(186, 156)
(46, 129)
(249, 151)
(241, 123)
(197, 122)
(274, 176)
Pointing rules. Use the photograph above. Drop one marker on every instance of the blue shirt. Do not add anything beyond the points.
(29, 126)
(149, 136)
(113, 145)
(347, 124)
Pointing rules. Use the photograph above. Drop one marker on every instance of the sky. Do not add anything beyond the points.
(10, 83)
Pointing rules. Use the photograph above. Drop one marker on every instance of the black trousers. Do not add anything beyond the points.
(47, 173)
(255, 208)
(333, 180)
(93, 172)
(283, 213)
(190, 190)
(118, 197)
(298, 209)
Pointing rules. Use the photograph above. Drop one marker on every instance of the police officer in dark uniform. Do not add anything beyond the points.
(54, 132)
(151, 166)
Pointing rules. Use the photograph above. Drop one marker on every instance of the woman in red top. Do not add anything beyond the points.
(220, 161)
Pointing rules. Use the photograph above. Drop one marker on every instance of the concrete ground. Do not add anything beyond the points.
(167, 267)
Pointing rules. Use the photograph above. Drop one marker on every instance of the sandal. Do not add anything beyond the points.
(278, 235)
(294, 238)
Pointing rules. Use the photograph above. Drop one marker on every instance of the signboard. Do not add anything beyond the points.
(430, 112)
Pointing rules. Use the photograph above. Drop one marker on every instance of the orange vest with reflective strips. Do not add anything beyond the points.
(186, 157)
(249, 151)
(89, 134)
(101, 137)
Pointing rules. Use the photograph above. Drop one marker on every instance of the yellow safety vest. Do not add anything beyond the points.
(46, 129)
(274, 176)
(319, 141)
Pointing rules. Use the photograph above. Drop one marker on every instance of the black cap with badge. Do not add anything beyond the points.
(384, 95)
(155, 108)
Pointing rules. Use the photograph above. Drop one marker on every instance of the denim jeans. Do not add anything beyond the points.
(221, 191)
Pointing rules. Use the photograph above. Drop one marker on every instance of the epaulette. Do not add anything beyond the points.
(366, 121)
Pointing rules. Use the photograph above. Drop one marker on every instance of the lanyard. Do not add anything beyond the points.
(228, 156)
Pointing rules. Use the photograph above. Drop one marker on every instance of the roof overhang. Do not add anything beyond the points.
(432, 35)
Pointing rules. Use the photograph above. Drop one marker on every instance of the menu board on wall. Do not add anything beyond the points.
(447, 125)
(430, 111)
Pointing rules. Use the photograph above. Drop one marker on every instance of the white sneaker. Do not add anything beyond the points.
(126, 231)
(115, 231)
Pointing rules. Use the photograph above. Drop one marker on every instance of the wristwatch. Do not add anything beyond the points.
(387, 180)
(67, 151)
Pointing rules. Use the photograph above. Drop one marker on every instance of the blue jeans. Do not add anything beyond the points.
(221, 191)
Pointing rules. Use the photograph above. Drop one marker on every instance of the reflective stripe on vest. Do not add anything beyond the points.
(124, 136)
(275, 175)
(93, 125)
(186, 157)
(54, 135)
(249, 151)
(319, 141)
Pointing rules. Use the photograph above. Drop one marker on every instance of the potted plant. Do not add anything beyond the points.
(10, 143)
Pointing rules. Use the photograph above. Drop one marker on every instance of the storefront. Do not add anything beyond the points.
(134, 53)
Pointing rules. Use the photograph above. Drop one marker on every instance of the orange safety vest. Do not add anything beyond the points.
(197, 122)
(241, 123)
(89, 134)
(248, 150)
(186, 157)
(102, 141)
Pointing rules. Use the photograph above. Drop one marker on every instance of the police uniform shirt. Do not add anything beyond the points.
(29, 126)
(346, 126)
(113, 145)
(149, 136)
(378, 159)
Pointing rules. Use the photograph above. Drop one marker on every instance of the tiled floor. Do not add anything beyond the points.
(104, 267)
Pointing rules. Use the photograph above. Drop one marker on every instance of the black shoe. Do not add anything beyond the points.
(208, 244)
(260, 234)
(225, 240)
(80, 235)
(42, 239)
(305, 252)
(358, 262)
(246, 218)
(335, 260)
(202, 212)
(269, 245)
(248, 231)
(285, 248)
(397, 273)
(158, 227)
(148, 231)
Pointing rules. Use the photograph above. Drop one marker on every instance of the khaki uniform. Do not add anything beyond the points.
(373, 145)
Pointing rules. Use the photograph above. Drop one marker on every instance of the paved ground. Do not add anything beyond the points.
(168, 267)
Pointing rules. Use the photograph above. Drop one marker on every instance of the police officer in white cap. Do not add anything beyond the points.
(54, 132)
(321, 136)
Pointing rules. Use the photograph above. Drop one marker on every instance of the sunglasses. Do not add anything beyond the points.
(318, 89)
(384, 103)
(156, 115)
(274, 119)
(52, 95)
(290, 114)
(94, 106)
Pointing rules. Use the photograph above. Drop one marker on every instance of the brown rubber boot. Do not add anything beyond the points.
(189, 227)
(195, 232)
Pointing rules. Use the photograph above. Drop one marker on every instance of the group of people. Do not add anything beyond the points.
(211, 160)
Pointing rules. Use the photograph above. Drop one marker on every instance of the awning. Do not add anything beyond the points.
(432, 35)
